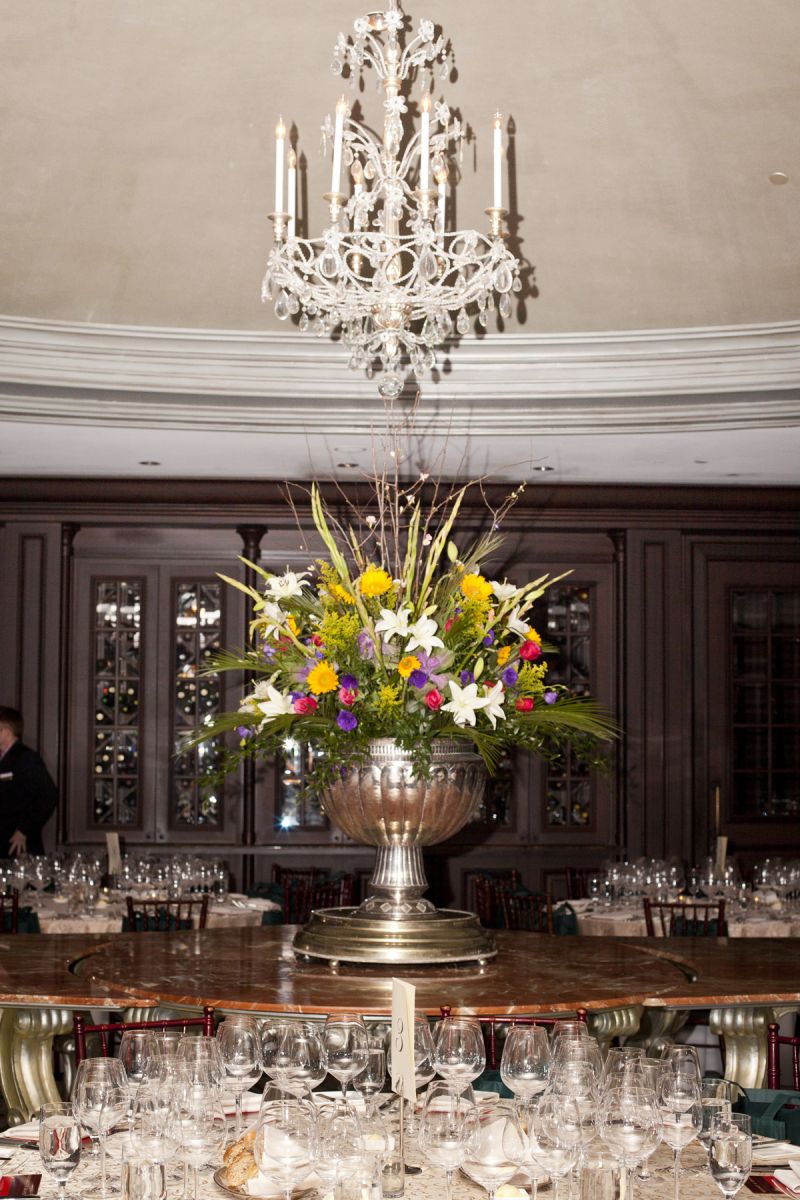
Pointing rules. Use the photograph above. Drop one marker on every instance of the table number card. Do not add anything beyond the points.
(403, 1003)
(114, 854)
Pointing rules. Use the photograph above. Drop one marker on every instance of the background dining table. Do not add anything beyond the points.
(57, 916)
(597, 920)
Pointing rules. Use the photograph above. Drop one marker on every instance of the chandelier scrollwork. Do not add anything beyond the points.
(387, 275)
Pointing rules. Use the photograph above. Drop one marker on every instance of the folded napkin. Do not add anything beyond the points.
(22, 1133)
(789, 1180)
(773, 1152)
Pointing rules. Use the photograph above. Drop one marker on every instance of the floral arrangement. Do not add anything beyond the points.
(400, 633)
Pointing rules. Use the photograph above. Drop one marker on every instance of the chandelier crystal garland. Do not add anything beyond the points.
(386, 272)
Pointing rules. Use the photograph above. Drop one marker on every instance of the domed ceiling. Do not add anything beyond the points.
(650, 145)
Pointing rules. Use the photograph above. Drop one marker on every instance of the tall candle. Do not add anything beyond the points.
(280, 141)
(498, 150)
(441, 184)
(425, 143)
(336, 173)
(292, 190)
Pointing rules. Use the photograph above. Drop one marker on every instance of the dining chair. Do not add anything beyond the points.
(301, 901)
(578, 881)
(693, 919)
(533, 912)
(774, 1042)
(487, 888)
(146, 916)
(9, 911)
(81, 1029)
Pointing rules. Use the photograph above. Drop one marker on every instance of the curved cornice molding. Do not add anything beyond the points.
(724, 377)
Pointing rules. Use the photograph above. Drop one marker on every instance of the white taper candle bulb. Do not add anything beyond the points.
(425, 143)
(336, 173)
(498, 153)
(292, 191)
(280, 143)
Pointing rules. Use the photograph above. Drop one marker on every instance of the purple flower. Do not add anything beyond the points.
(245, 731)
(466, 677)
(487, 641)
(346, 720)
(296, 695)
(302, 673)
(509, 677)
(418, 679)
(267, 651)
(428, 663)
(349, 681)
(366, 646)
(550, 697)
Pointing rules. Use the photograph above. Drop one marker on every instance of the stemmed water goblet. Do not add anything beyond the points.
(459, 1054)
(203, 1056)
(100, 1100)
(549, 1147)
(346, 1044)
(628, 1123)
(681, 1118)
(730, 1151)
(200, 1122)
(525, 1064)
(369, 1083)
(497, 1149)
(137, 1050)
(340, 1145)
(448, 1125)
(59, 1142)
(240, 1050)
(285, 1146)
(299, 1060)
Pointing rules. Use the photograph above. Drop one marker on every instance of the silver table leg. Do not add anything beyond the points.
(26, 1057)
(745, 1032)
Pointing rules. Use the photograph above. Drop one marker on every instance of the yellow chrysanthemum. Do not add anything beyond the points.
(502, 655)
(322, 678)
(374, 582)
(533, 636)
(341, 593)
(407, 665)
(475, 587)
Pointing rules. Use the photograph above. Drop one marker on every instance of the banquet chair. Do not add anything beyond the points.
(299, 902)
(685, 920)
(167, 915)
(533, 912)
(774, 1042)
(9, 911)
(81, 1029)
(290, 874)
(578, 881)
(487, 889)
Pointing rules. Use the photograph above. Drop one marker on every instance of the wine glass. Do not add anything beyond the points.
(459, 1054)
(240, 1049)
(496, 1151)
(142, 1178)
(552, 1152)
(154, 1133)
(300, 1062)
(100, 1100)
(199, 1121)
(340, 1147)
(137, 1049)
(525, 1064)
(346, 1045)
(201, 1055)
(731, 1151)
(285, 1146)
(371, 1080)
(272, 1033)
(681, 1121)
(629, 1125)
(448, 1125)
(59, 1142)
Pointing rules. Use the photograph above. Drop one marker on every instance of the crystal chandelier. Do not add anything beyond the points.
(387, 275)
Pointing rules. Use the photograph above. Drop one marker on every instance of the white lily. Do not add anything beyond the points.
(392, 623)
(277, 705)
(274, 618)
(423, 636)
(283, 587)
(515, 622)
(504, 590)
(465, 703)
(493, 705)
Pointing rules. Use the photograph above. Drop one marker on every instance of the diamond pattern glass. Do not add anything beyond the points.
(197, 610)
(115, 760)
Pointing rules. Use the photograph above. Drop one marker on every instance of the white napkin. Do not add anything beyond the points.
(774, 1152)
(789, 1180)
(23, 1133)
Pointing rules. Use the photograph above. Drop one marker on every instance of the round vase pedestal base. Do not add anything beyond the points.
(343, 935)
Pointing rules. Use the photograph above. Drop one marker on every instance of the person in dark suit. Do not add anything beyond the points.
(28, 796)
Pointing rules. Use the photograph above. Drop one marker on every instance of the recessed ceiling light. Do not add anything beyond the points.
(543, 467)
(149, 462)
(347, 466)
(778, 177)
(701, 461)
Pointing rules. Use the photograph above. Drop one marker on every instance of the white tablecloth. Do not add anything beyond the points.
(56, 917)
(595, 921)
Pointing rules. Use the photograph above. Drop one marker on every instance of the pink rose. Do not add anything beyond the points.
(347, 695)
(304, 704)
(434, 700)
(530, 651)
(523, 704)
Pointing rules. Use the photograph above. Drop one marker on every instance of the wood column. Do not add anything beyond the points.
(251, 536)
(68, 532)
(618, 537)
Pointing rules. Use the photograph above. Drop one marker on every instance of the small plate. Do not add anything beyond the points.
(241, 1192)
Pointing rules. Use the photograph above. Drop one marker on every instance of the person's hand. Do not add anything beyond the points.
(18, 843)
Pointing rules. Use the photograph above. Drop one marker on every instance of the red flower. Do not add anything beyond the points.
(316, 639)
(523, 704)
(448, 625)
(434, 700)
(530, 651)
(305, 704)
(347, 695)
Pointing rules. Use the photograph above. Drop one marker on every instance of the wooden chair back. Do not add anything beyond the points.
(693, 919)
(578, 881)
(188, 912)
(533, 913)
(487, 889)
(9, 911)
(80, 1029)
(774, 1043)
(300, 902)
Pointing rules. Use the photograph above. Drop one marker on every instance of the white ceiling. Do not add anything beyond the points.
(135, 144)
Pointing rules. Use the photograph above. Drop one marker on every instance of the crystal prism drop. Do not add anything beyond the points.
(444, 325)
(282, 306)
(428, 266)
(429, 331)
(517, 285)
(462, 322)
(503, 279)
(302, 324)
(505, 305)
(390, 386)
(328, 263)
(483, 318)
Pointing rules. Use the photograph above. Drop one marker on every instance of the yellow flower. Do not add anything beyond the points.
(341, 593)
(374, 582)
(322, 678)
(475, 587)
(407, 665)
(502, 655)
(533, 636)
(295, 628)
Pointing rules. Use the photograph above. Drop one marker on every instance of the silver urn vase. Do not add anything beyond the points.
(385, 804)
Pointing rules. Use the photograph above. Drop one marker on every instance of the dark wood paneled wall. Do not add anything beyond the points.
(653, 550)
